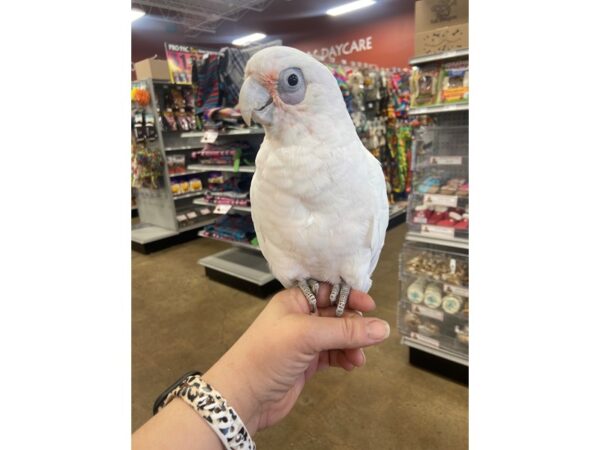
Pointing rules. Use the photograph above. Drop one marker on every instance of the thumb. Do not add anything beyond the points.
(352, 331)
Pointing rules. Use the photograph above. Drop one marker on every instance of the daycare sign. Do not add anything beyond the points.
(339, 50)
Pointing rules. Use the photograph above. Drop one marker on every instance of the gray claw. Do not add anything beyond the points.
(335, 290)
(310, 297)
(344, 293)
(314, 286)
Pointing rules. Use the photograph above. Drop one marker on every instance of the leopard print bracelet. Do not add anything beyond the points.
(209, 403)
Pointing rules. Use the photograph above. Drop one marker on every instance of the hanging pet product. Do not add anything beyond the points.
(147, 167)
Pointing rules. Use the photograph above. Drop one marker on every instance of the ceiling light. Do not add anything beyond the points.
(136, 14)
(245, 40)
(349, 7)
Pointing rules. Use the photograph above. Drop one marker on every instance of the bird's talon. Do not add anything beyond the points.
(335, 290)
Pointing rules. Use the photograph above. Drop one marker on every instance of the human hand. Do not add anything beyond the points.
(263, 373)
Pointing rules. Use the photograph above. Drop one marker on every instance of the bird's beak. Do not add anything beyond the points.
(255, 103)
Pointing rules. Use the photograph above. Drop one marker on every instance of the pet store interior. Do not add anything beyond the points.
(199, 278)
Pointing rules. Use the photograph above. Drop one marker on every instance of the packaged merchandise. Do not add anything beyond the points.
(169, 120)
(439, 266)
(433, 295)
(452, 303)
(175, 188)
(454, 84)
(176, 164)
(195, 184)
(184, 186)
(147, 166)
(416, 291)
(177, 98)
(424, 85)
(182, 121)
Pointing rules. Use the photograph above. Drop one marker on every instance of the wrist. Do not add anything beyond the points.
(229, 380)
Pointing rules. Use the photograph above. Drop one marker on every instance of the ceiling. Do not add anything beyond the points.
(215, 23)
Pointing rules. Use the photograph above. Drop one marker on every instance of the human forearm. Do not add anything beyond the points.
(177, 426)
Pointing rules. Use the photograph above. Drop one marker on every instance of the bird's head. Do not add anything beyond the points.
(286, 88)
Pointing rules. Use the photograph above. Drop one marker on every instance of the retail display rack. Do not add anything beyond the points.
(434, 264)
(243, 265)
(167, 215)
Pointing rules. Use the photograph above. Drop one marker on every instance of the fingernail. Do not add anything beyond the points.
(378, 329)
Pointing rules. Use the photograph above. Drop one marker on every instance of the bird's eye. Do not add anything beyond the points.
(293, 79)
(291, 86)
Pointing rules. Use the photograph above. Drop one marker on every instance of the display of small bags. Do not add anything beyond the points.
(175, 188)
(195, 184)
(454, 82)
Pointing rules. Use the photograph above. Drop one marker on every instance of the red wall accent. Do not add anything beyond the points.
(392, 41)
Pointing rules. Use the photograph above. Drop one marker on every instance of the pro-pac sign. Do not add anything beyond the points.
(344, 48)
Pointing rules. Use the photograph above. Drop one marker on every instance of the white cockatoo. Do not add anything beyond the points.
(318, 196)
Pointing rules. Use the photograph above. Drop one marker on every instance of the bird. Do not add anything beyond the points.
(318, 196)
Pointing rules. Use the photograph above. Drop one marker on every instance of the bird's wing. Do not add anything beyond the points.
(379, 220)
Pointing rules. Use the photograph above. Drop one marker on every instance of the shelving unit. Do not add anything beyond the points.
(442, 56)
(159, 209)
(216, 168)
(234, 207)
(437, 220)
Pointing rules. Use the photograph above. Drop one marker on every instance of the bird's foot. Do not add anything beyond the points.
(314, 286)
(342, 299)
(309, 293)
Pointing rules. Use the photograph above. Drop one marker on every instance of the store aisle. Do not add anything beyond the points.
(183, 321)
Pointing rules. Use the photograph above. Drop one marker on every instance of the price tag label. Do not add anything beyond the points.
(210, 136)
(427, 340)
(458, 290)
(437, 232)
(192, 134)
(442, 200)
(191, 215)
(452, 265)
(446, 160)
(428, 312)
(222, 209)
(205, 211)
(181, 218)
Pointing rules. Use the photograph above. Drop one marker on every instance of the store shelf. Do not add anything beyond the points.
(242, 132)
(217, 168)
(439, 56)
(183, 148)
(187, 172)
(200, 224)
(241, 263)
(396, 211)
(455, 243)
(202, 202)
(436, 109)
(144, 234)
(440, 352)
(188, 195)
(232, 132)
(230, 241)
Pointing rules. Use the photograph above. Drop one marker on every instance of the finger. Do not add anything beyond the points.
(330, 312)
(323, 294)
(339, 359)
(356, 356)
(357, 300)
(360, 301)
(351, 331)
(335, 358)
(312, 368)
